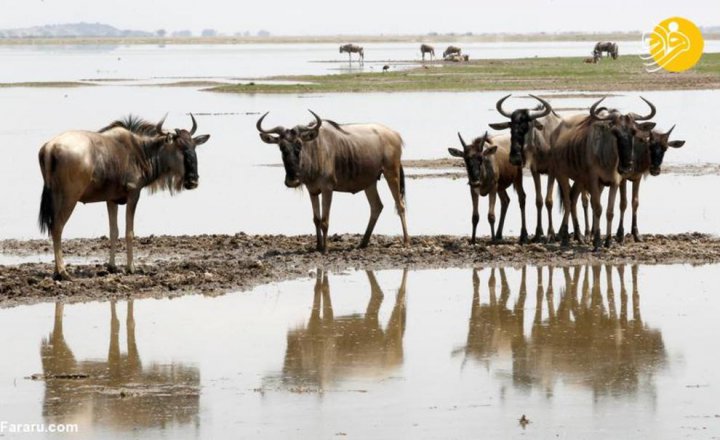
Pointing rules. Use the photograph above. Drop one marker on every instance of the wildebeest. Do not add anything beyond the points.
(489, 174)
(351, 49)
(113, 166)
(327, 157)
(452, 50)
(649, 152)
(427, 49)
(610, 49)
(530, 132)
(597, 151)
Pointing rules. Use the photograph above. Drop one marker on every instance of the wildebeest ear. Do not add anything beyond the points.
(500, 125)
(199, 140)
(646, 126)
(455, 152)
(269, 139)
(538, 125)
(489, 150)
(676, 144)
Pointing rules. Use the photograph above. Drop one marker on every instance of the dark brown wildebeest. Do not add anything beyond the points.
(452, 50)
(597, 151)
(427, 49)
(489, 174)
(112, 166)
(351, 49)
(327, 157)
(610, 49)
(649, 152)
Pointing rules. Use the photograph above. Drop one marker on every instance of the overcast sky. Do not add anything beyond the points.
(321, 17)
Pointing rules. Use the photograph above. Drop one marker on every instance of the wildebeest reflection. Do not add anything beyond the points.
(331, 348)
(585, 338)
(118, 392)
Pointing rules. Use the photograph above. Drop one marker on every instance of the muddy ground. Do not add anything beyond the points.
(215, 264)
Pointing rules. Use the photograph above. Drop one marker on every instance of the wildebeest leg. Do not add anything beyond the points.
(504, 202)
(315, 200)
(595, 194)
(635, 296)
(612, 193)
(112, 209)
(585, 202)
(61, 217)
(132, 202)
(620, 236)
(376, 207)
(518, 184)
(327, 308)
(539, 234)
(575, 192)
(565, 189)
(325, 220)
(635, 204)
(393, 178)
(376, 299)
(491, 214)
(475, 214)
(549, 206)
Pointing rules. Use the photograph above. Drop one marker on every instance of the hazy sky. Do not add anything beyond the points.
(293, 17)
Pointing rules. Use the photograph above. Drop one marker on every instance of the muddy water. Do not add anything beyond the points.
(582, 352)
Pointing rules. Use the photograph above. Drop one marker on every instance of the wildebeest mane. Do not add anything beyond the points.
(133, 124)
(335, 152)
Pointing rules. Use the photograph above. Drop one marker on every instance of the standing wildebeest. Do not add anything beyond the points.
(452, 50)
(530, 132)
(649, 153)
(327, 157)
(113, 166)
(610, 48)
(351, 49)
(595, 152)
(489, 174)
(427, 49)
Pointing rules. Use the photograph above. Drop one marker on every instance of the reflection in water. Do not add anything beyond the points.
(582, 339)
(118, 392)
(331, 348)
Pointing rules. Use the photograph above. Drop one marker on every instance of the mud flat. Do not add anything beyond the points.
(216, 264)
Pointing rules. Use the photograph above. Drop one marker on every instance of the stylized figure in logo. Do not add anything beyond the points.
(675, 45)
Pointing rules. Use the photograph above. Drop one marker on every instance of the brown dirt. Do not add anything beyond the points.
(215, 264)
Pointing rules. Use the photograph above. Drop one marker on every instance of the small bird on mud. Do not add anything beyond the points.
(524, 421)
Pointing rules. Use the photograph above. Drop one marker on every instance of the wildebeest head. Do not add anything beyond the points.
(183, 144)
(290, 141)
(658, 144)
(474, 154)
(624, 127)
(522, 121)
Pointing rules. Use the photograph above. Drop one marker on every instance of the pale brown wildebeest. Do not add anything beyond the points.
(489, 174)
(327, 157)
(112, 166)
(351, 49)
(597, 151)
(452, 50)
(649, 152)
(427, 49)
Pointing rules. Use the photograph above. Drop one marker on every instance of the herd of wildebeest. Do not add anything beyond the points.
(602, 147)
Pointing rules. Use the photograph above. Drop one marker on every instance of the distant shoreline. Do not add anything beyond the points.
(458, 38)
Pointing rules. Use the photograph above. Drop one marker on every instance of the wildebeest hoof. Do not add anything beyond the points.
(62, 276)
(608, 241)
(551, 237)
(130, 270)
(637, 238)
(620, 238)
(524, 238)
(363, 245)
(111, 268)
(538, 238)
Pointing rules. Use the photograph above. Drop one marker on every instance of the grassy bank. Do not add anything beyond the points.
(625, 73)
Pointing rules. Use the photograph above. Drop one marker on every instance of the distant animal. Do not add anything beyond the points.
(386, 68)
(113, 166)
(327, 157)
(595, 151)
(610, 49)
(592, 60)
(351, 49)
(490, 173)
(452, 50)
(427, 49)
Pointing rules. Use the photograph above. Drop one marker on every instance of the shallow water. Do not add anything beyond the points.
(237, 193)
(182, 62)
(422, 354)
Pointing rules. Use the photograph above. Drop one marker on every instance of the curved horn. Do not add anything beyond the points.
(652, 111)
(462, 141)
(276, 130)
(318, 121)
(194, 126)
(499, 104)
(159, 125)
(670, 131)
(547, 108)
(593, 110)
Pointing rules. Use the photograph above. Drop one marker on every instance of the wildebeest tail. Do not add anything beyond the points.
(402, 182)
(561, 201)
(47, 205)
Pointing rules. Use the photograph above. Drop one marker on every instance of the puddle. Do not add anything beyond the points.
(582, 352)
